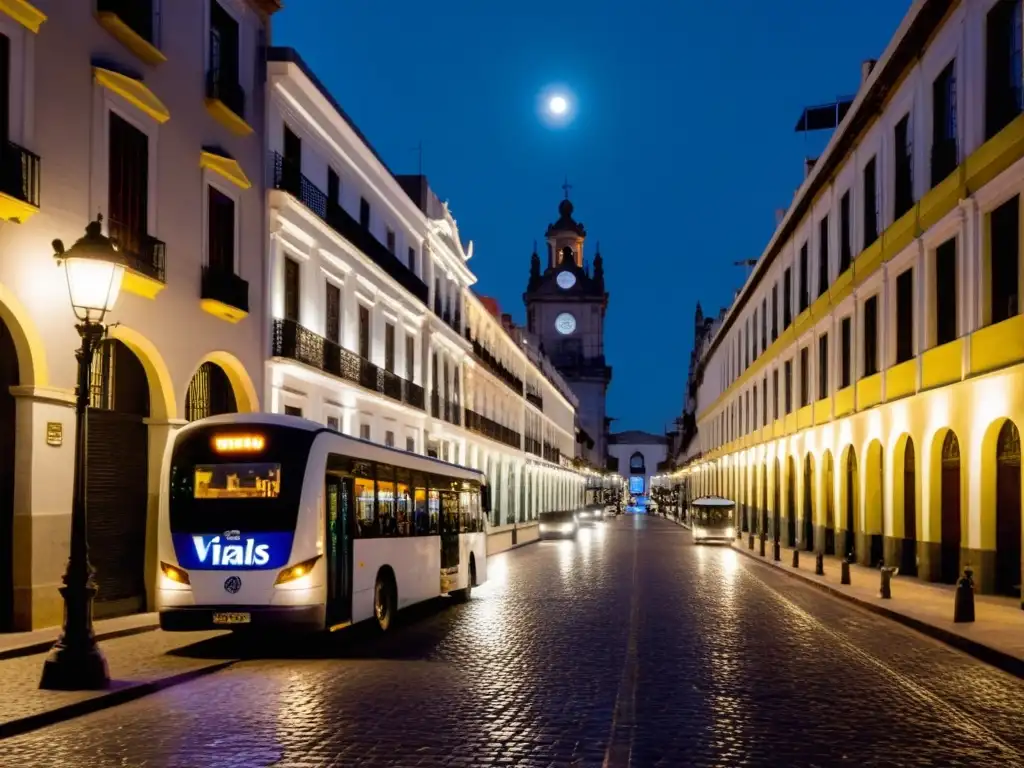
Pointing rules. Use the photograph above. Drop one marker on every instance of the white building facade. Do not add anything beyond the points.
(373, 328)
(151, 117)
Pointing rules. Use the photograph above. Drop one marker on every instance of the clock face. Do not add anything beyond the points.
(565, 323)
(566, 280)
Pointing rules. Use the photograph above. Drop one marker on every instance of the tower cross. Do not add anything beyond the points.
(567, 186)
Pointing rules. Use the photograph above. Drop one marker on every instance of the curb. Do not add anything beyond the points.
(130, 692)
(996, 658)
(45, 645)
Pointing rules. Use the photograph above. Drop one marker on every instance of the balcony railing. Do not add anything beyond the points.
(226, 89)
(137, 15)
(531, 445)
(944, 159)
(492, 429)
(289, 178)
(144, 254)
(551, 453)
(19, 173)
(492, 364)
(293, 341)
(225, 287)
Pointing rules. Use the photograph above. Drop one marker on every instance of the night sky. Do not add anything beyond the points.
(680, 151)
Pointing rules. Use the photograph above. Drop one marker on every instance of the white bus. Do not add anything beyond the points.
(711, 519)
(270, 521)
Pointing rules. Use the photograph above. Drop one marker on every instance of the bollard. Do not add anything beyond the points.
(845, 577)
(763, 538)
(796, 558)
(776, 551)
(885, 589)
(750, 541)
(819, 564)
(963, 604)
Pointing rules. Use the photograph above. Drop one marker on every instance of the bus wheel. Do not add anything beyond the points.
(463, 595)
(383, 602)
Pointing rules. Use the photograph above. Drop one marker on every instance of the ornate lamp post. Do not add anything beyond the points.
(94, 270)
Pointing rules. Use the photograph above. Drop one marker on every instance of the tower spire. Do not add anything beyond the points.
(566, 186)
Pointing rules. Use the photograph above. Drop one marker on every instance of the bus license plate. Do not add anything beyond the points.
(232, 618)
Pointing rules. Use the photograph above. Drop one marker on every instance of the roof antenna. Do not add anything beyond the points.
(567, 186)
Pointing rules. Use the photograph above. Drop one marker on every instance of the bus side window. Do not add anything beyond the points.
(433, 511)
(403, 502)
(465, 513)
(476, 523)
(365, 517)
(485, 499)
(386, 522)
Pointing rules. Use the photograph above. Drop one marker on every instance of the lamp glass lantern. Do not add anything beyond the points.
(94, 267)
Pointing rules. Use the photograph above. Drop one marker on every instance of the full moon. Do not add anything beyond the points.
(558, 105)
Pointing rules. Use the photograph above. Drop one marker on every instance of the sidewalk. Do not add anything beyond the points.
(996, 636)
(14, 644)
(139, 664)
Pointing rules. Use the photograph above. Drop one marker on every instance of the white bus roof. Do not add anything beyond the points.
(712, 501)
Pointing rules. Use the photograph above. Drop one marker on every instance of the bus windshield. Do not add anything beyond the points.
(712, 517)
(557, 517)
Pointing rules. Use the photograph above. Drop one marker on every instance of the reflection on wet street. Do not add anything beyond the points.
(627, 646)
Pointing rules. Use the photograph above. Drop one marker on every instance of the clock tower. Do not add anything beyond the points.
(565, 308)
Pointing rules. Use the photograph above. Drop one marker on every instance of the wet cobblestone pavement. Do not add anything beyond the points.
(629, 646)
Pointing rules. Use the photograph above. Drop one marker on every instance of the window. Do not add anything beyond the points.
(903, 189)
(366, 517)
(764, 401)
(128, 202)
(1005, 254)
(1004, 95)
(410, 444)
(754, 423)
(805, 291)
(823, 366)
(871, 336)
(845, 363)
(823, 256)
(364, 431)
(905, 316)
(364, 213)
(944, 151)
(805, 376)
(333, 313)
(411, 261)
(292, 410)
(333, 188)
(332, 423)
(870, 203)
(291, 163)
(775, 394)
(222, 80)
(364, 332)
(389, 347)
(389, 439)
(764, 324)
(410, 357)
(775, 311)
(787, 299)
(291, 290)
(788, 384)
(220, 253)
(845, 247)
(945, 292)
(391, 240)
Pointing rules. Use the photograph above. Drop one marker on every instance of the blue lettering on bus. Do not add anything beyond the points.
(232, 550)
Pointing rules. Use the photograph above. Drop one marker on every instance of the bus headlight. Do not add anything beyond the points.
(173, 577)
(295, 572)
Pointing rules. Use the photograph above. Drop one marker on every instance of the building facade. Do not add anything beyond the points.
(374, 329)
(152, 119)
(639, 455)
(566, 303)
(863, 395)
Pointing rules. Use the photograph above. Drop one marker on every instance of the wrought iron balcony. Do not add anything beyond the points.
(492, 429)
(145, 254)
(531, 445)
(225, 287)
(492, 364)
(19, 180)
(289, 178)
(227, 90)
(293, 341)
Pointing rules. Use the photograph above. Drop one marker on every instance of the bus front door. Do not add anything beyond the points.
(340, 511)
(449, 540)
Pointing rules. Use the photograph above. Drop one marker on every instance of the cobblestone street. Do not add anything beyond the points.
(629, 646)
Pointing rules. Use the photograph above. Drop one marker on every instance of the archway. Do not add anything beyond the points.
(873, 511)
(949, 506)
(209, 393)
(233, 384)
(908, 559)
(807, 524)
(777, 503)
(1008, 512)
(851, 498)
(117, 482)
(828, 496)
(9, 377)
(764, 498)
(790, 502)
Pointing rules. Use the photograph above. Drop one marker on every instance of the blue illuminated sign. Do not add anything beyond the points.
(232, 550)
(636, 485)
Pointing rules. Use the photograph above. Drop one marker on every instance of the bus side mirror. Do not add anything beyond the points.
(485, 498)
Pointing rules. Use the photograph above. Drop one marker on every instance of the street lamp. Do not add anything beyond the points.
(94, 270)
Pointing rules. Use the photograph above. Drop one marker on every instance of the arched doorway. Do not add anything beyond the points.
(790, 502)
(807, 533)
(1008, 522)
(764, 499)
(850, 532)
(117, 483)
(9, 377)
(209, 393)
(777, 503)
(950, 542)
(874, 482)
(908, 557)
(828, 494)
